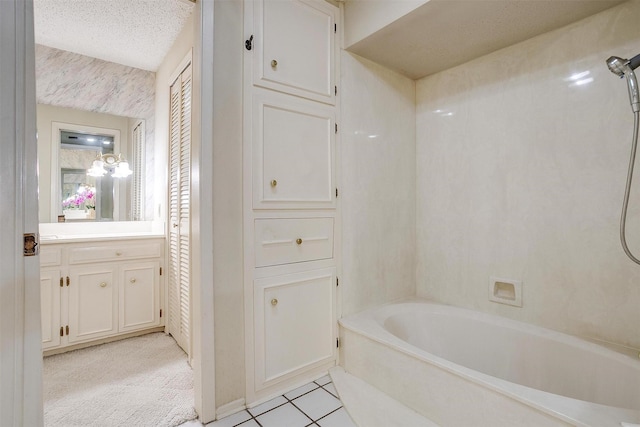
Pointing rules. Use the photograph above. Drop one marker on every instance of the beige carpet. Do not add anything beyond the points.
(142, 381)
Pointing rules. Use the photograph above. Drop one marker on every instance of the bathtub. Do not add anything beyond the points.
(460, 367)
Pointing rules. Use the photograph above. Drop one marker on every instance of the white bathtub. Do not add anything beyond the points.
(461, 368)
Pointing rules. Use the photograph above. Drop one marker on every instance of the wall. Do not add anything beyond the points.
(70, 80)
(520, 175)
(364, 17)
(48, 114)
(377, 184)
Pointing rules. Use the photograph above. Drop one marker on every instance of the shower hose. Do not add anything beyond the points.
(627, 190)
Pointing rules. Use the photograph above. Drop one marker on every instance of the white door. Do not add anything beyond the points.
(179, 210)
(93, 309)
(20, 329)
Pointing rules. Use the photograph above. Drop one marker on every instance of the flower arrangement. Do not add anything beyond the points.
(85, 198)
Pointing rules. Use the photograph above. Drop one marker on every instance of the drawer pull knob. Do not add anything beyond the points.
(274, 302)
(299, 241)
(274, 182)
(175, 225)
(274, 63)
(132, 280)
(118, 253)
(103, 284)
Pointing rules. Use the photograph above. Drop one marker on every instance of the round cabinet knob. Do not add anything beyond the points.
(274, 302)
(132, 280)
(118, 253)
(299, 241)
(175, 225)
(274, 182)
(274, 63)
(103, 284)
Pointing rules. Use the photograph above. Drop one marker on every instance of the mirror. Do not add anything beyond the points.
(69, 141)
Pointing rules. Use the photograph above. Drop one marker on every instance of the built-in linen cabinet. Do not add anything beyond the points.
(291, 196)
(98, 290)
(294, 47)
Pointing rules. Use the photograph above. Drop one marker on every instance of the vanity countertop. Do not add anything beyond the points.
(49, 239)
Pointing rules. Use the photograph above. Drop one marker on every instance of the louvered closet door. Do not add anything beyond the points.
(179, 192)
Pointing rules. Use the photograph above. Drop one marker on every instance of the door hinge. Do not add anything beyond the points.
(68, 281)
(337, 282)
(30, 244)
(335, 28)
(61, 331)
(336, 192)
(160, 312)
(248, 44)
(335, 90)
(336, 128)
(67, 330)
(161, 271)
(337, 342)
(61, 282)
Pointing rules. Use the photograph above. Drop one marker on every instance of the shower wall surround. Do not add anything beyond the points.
(378, 184)
(521, 161)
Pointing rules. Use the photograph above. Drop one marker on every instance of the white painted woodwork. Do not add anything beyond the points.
(50, 256)
(93, 303)
(299, 36)
(295, 323)
(289, 191)
(20, 327)
(115, 252)
(179, 207)
(293, 153)
(50, 306)
(139, 296)
(282, 241)
(98, 298)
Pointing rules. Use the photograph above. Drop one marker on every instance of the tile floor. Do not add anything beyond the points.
(314, 404)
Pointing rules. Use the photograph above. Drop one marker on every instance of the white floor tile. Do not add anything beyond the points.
(260, 409)
(300, 391)
(192, 423)
(317, 404)
(250, 423)
(339, 418)
(324, 380)
(231, 420)
(284, 416)
(331, 389)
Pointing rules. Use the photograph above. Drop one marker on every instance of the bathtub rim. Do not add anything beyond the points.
(575, 411)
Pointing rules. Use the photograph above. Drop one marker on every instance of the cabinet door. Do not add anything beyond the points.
(139, 296)
(294, 325)
(93, 303)
(293, 153)
(50, 307)
(294, 47)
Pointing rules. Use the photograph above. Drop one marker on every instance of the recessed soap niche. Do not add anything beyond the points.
(505, 291)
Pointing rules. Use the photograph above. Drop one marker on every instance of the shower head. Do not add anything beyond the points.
(624, 68)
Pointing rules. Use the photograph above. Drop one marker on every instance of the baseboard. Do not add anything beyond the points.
(230, 408)
(59, 350)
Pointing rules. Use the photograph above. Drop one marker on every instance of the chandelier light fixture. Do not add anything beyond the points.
(103, 162)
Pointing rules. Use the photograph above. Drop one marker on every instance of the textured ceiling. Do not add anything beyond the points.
(137, 33)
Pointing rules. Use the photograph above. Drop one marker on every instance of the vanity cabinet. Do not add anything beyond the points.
(291, 220)
(99, 290)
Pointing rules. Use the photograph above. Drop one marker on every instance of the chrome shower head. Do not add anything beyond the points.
(624, 68)
(617, 65)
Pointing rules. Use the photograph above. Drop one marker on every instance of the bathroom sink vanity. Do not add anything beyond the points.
(99, 287)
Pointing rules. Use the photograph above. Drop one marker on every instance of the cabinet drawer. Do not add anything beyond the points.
(50, 256)
(284, 241)
(115, 252)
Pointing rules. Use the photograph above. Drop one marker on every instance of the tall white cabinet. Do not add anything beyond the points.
(291, 192)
